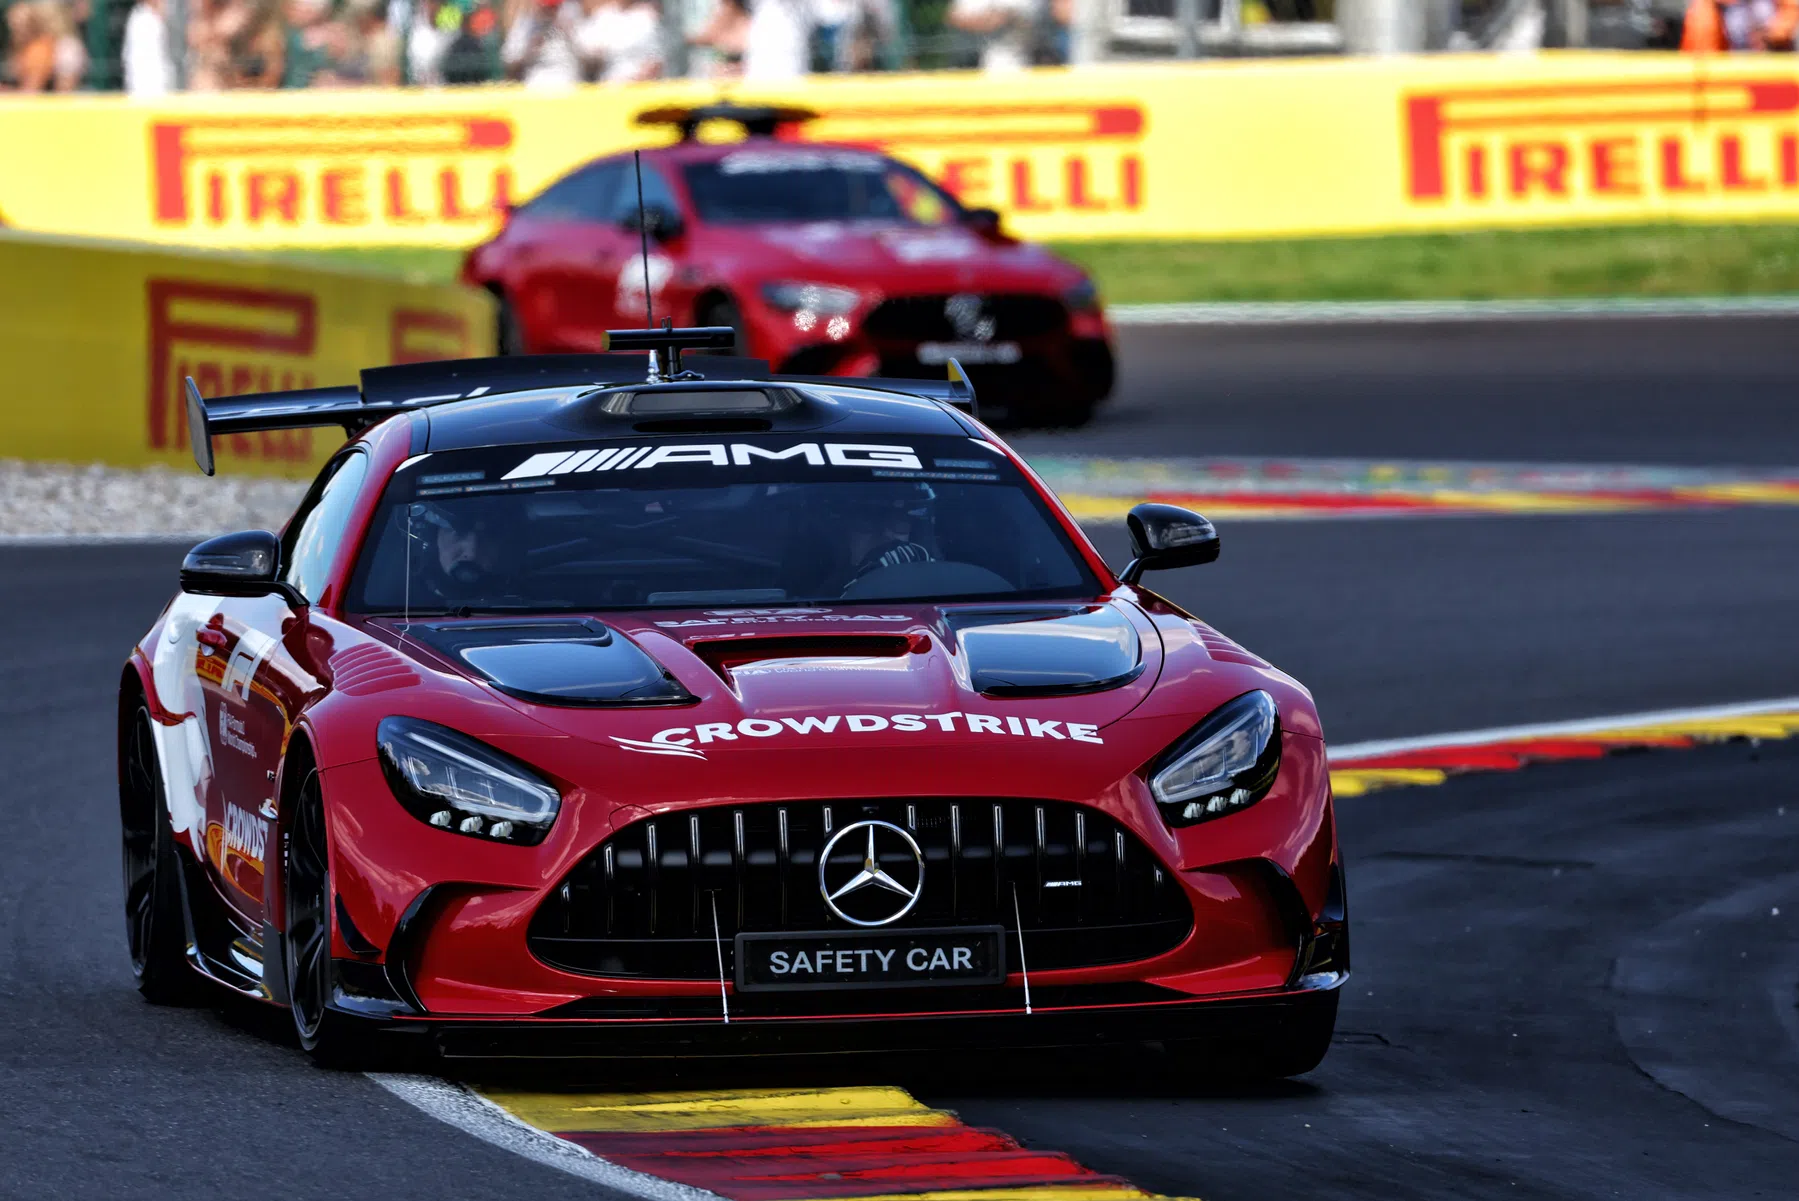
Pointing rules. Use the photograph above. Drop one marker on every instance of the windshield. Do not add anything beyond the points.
(689, 522)
(822, 185)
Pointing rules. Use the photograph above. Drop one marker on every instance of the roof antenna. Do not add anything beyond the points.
(643, 237)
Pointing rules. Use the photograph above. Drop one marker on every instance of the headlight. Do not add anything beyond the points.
(456, 783)
(1227, 763)
(1082, 298)
(826, 300)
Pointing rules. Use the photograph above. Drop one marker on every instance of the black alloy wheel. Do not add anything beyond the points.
(509, 331)
(1296, 1045)
(330, 1037)
(155, 927)
(723, 311)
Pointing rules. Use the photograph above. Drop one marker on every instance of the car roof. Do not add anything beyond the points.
(566, 414)
(708, 152)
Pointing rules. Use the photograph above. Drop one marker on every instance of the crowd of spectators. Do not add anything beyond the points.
(149, 47)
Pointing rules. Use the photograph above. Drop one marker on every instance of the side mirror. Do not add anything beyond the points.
(986, 222)
(1164, 536)
(663, 225)
(241, 564)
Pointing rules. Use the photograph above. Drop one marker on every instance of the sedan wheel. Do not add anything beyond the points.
(155, 928)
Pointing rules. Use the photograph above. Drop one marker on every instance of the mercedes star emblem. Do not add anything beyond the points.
(888, 891)
(968, 316)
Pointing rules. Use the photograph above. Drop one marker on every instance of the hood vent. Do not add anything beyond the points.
(1062, 650)
(724, 654)
(551, 662)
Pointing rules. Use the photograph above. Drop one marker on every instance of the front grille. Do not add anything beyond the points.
(925, 319)
(641, 905)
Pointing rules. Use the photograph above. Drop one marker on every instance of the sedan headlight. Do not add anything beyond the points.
(826, 300)
(455, 782)
(1226, 763)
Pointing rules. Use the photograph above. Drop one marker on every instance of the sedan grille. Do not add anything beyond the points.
(642, 905)
(928, 318)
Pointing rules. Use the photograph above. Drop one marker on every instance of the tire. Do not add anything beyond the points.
(333, 1039)
(1295, 1046)
(155, 924)
(723, 311)
(509, 331)
(1067, 414)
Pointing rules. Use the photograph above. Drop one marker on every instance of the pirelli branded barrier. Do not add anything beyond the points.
(95, 339)
(1240, 149)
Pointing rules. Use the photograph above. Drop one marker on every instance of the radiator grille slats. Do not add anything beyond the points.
(1088, 892)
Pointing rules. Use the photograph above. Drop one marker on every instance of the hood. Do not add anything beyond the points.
(653, 709)
(948, 257)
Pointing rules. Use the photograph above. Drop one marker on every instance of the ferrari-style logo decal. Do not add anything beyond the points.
(890, 899)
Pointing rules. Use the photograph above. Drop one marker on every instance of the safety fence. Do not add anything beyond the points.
(1211, 150)
(95, 339)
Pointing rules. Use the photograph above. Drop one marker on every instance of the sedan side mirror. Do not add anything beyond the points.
(241, 564)
(983, 221)
(1164, 536)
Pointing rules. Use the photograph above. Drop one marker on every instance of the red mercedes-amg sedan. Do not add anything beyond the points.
(721, 712)
(826, 259)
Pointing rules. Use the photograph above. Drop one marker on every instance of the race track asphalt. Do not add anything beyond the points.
(1570, 982)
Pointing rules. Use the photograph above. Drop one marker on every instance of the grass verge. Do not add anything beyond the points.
(1640, 260)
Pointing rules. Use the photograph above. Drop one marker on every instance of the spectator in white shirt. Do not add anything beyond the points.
(620, 41)
(540, 47)
(149, 67)
(779, 45)
(1007, 29)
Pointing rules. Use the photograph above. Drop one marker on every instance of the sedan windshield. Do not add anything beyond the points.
(774, 185)
(690, 522)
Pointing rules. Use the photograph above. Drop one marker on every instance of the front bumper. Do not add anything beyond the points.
(450, 915)
(1235, 1021)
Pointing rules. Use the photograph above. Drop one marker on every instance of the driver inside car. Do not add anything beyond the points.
(458, 552)
(883, 525)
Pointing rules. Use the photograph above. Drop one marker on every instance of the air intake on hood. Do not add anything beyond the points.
(572, 662)
(723, 654)
(1048, 651)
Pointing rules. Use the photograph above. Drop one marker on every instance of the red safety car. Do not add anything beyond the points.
(826, 259)
(576, 713)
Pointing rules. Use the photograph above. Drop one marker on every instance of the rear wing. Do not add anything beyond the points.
(387, 391)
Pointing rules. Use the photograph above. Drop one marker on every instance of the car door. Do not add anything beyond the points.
(565, 252)
(252, 665)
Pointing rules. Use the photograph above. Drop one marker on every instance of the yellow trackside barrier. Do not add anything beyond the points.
(95, 338)
(1213, 150)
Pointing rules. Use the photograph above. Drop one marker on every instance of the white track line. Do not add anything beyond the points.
(1345, 312)
(1592, 725)
(474, 1114)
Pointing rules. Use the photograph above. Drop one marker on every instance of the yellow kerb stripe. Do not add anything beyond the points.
(706, 1110)
(1356, 781)
(1096, 1192)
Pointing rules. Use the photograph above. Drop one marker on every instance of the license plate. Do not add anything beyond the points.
(871, 959)
(936, 354)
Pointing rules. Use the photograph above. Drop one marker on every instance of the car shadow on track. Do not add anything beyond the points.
(1126, 1072)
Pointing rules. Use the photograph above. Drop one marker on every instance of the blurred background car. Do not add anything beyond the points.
(826, 259)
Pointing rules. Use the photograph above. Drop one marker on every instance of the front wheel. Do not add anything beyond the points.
(723, 311)
(509, 331)
(1292, 1047)
(155, 927)
(332, 1039)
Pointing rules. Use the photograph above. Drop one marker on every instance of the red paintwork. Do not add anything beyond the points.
(743, 1162)
(568, 281)
(472, 961)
